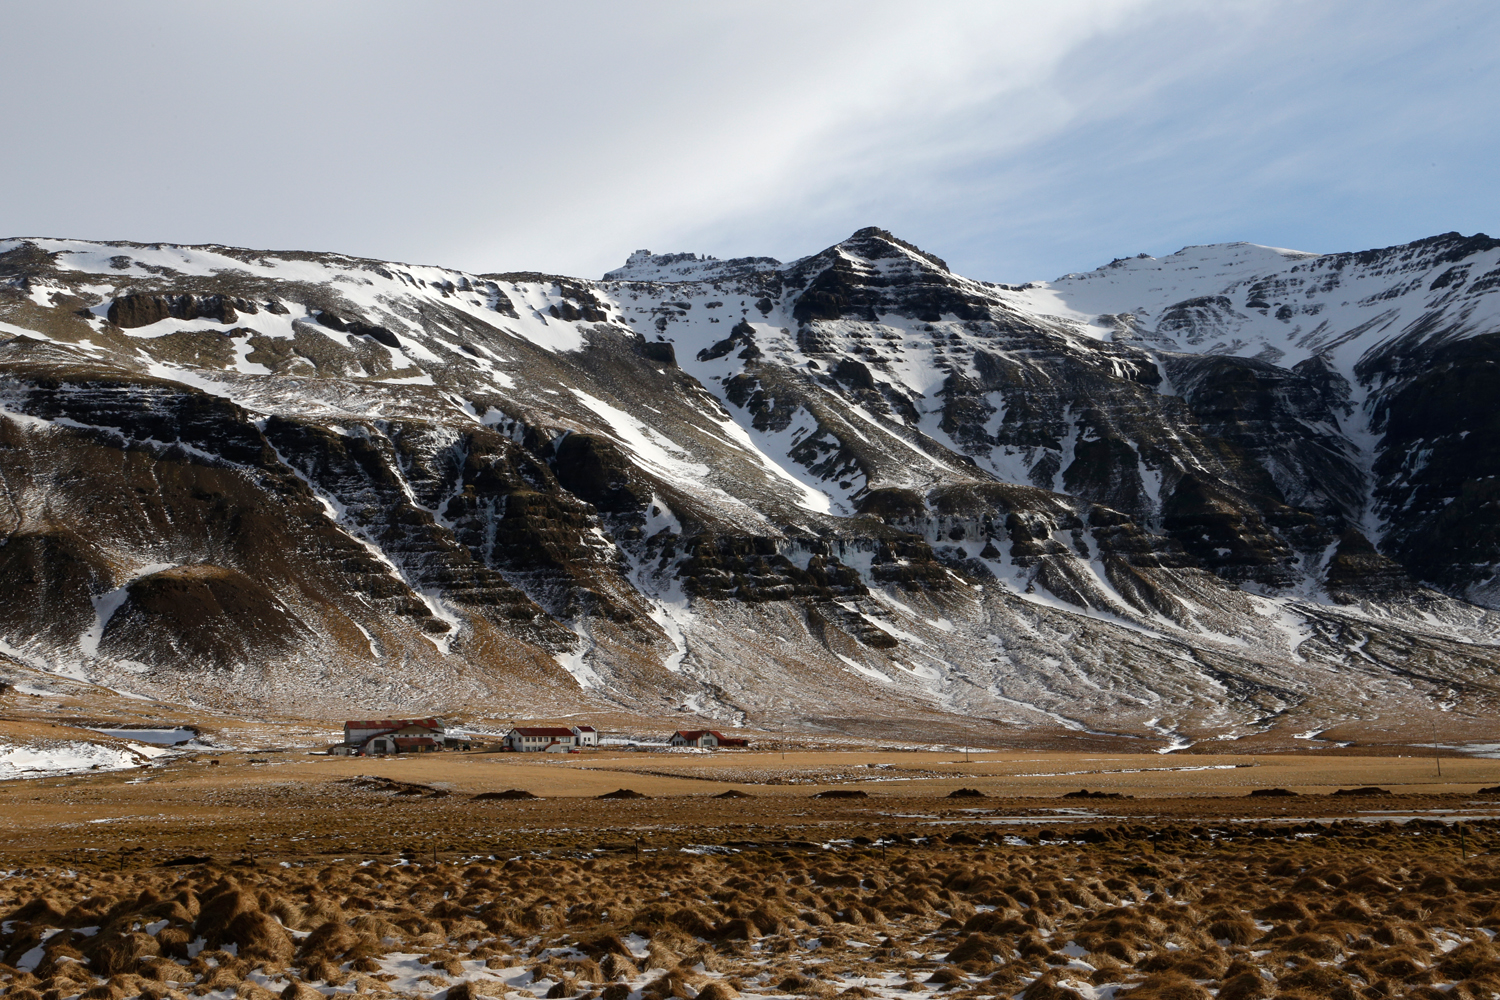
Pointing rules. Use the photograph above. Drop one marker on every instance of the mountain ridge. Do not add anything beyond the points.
(844, 490)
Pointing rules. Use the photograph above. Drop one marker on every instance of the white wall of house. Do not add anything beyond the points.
(535, 744)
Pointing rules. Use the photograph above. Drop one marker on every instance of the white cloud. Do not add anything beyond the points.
(1016, 139)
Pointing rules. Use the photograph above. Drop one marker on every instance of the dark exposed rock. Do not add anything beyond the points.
(593, 469)
(659, 351)
(129, 311)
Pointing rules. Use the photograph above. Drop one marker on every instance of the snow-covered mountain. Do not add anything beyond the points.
(1230, 489)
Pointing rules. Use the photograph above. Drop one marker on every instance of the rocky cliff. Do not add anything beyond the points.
(1209, 494)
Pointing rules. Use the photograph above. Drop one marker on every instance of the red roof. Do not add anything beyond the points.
(556, 732)
(393, 724)
(586, 729)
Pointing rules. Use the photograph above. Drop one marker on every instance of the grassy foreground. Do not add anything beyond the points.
(307, 877)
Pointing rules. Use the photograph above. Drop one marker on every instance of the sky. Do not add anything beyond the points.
(1017, 140)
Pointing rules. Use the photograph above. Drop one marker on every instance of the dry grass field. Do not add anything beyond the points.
(304, 875)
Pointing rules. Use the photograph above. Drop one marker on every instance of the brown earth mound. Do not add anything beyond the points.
(375, 783)
(189, 616)
(510, 793)
(622, 793)
(1084, 793)
(1367, 790)
(842, 793)
(966, 793)
(1265, 793)
(734, 793)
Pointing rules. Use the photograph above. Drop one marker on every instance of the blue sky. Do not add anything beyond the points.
(1016, 140)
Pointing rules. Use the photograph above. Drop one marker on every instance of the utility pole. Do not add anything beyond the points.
(1436, 754)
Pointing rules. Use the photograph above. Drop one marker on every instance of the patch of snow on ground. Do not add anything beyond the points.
(50, 758)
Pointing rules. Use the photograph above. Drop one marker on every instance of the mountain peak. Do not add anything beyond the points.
(873, 243)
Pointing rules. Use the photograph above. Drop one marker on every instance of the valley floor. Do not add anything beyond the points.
(307, 875)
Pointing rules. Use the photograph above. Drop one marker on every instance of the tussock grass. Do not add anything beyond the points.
(1345, 914)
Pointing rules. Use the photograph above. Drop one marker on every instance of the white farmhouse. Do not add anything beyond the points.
(708, 738)
(536, 739)
(586, 736)
(383, 736)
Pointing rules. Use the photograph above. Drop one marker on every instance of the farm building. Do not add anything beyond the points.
(704, 738)
(537, 739)
(587, 736)
(373, 737)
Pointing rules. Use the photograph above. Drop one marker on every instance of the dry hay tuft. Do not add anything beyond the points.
(979, 947)
(113, 953)
(1237, 930)
(1287, 909)
(1249, 985)
(618, 967)
(1469, 959)
(221, 910)
(336, 942)
(1166, 986)
(1316, 980)
(473, 989)
(1046, 987)
(42, 910)
(260, 939)
(1310, 946)
(600, 945)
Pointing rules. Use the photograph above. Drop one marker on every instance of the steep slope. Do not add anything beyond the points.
(1227, 490)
